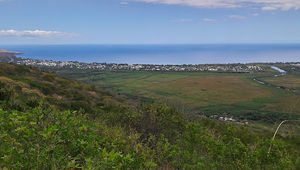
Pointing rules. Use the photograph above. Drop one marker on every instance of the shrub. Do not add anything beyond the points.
(6, 92)
(45, 139)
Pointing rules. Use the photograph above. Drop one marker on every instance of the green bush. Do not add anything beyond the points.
(45, 139)
(6, 92)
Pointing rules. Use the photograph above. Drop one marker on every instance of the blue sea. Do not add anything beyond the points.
(162, 54)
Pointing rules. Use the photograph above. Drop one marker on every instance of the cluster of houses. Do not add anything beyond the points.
(142, 67)
(296, 64)
(229, 119)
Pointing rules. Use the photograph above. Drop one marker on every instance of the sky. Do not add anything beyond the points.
(149, 21)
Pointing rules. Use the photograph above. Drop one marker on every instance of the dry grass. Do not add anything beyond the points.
(218, 89)
(191, 89)
(286, 81)
(288, 104)
(205, 90)
(25, 87)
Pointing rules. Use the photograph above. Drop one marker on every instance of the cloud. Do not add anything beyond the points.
(209, 20)
(236, 17)
(124, 3)
(255, 14)
(182, 20)
(35, 34)
(262, 4)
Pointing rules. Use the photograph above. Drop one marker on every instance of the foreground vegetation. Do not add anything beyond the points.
(50, 122)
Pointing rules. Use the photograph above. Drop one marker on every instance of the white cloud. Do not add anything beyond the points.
(124, 3)
(262, 4)
(209, 20)
(255, 14)
(182, 20)
(35, 34)
(236, 17)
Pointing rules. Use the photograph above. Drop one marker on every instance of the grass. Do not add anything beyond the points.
(289, 81)
(202, 92)
(223, 94)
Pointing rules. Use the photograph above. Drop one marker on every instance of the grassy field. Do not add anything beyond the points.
(231, 94)
(194, 89)
(289, 81)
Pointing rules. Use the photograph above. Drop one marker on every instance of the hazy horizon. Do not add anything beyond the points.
(163, 54)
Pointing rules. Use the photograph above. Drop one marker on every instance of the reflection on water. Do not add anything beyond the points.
(278, 69)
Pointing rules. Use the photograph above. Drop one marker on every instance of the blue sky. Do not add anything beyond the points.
(149, 21)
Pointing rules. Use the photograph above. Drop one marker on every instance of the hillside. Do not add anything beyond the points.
(51, 122)
(259, 99)
(31, 85)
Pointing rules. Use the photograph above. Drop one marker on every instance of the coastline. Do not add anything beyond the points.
(230, 67)
(163, 54)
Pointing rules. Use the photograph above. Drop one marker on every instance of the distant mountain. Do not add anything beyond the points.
(8, 56)
(9, 52)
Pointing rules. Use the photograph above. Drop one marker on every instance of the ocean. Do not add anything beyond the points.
(162, 54)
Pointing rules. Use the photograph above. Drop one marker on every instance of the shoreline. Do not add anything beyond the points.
(10, 57)
(195, 64)
(163, 54)
(237, 68)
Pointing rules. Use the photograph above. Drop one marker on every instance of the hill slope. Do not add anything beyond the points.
(50, 122)
(33, 86)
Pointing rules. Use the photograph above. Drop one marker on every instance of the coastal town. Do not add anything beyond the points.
(10, 57)
(140, 67)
